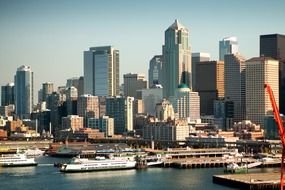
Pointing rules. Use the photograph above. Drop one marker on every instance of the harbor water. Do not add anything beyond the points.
(47, 177)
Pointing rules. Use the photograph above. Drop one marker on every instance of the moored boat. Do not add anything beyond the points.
(34, 152)
(235, 168)
(16, 160)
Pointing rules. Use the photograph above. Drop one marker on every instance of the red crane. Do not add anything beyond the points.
(281, 131)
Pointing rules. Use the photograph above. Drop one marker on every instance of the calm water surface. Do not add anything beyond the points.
(45, 176)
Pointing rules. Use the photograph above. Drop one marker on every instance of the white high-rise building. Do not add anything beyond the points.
(177, 59)
(260, 71)
(101, 71)
(186, 103)
(235, 84)
(228, 45)
(24, 99)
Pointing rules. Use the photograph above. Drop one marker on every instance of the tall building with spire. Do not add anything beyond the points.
(177, 59)
(101, 71)
(24, 91)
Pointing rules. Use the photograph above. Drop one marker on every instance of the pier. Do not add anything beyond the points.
(210, 162)
(12, 146)
(250, 181)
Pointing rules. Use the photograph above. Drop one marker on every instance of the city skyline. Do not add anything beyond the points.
(50, 37)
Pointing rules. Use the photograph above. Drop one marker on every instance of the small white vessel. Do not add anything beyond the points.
(154, 163)
(155, 160)
(16, 160)
(35, 152)
(235, 168)
(97, 164)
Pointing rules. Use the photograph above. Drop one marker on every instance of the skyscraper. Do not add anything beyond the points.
(101, 71)
(47, 89)
(260, 71)
(104, 124)
(164, 111)
(196, 58)
(155, 71)
(24, 91)
(73, 122)
(53, 103)
(235, 84)
(71, 100)
(7, 94)
(88, 106)
(273, 45)
(80, 86)
(228, 45)
(132, 83)
(121, 109)
(177, 59)
(151, 97)
(209, 84)
(186, 103)
(74, 81)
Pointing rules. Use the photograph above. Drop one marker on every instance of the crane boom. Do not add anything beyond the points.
(281, 130)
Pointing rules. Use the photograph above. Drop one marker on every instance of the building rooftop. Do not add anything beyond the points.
(271, 35)
(10, 84)
(177, 25)
(201, 54)
(231, 38)
(260, 59)
(24, 68)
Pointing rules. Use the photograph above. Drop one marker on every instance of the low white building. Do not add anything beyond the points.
(174, 130)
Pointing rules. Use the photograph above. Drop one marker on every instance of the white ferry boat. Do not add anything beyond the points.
(98, 164)
(16, 160)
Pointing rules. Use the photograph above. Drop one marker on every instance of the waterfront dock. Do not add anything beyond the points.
(12, 146)
(210, 162)
(250, 181)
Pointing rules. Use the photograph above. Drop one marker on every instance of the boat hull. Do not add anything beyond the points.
(86, 165)
(18, 165)
(94, 170)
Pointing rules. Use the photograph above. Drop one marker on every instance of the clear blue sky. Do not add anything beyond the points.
(50, 36)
